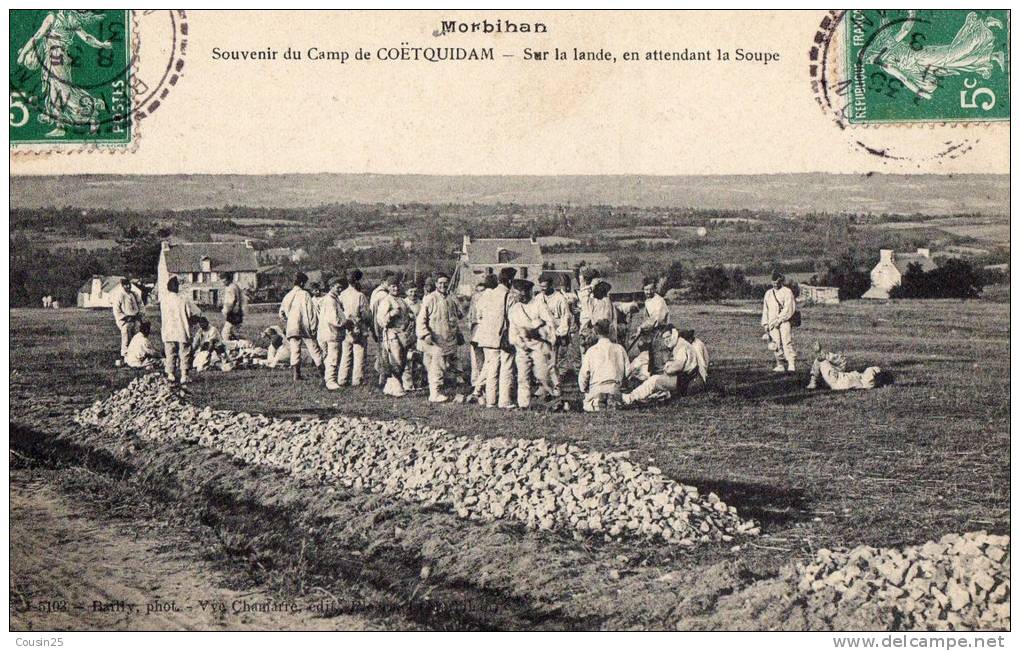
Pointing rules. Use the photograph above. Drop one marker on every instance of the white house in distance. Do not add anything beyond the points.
(890, 269)
(97, 292)
(199, 267)
(488, 255)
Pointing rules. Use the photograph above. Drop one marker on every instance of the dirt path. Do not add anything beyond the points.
(69, 572)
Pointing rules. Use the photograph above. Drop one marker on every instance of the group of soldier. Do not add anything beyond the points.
(521, 339)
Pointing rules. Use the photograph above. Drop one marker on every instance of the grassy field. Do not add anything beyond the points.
(899, 464)
(926, 456)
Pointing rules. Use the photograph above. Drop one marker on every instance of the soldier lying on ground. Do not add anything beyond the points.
(830, 367)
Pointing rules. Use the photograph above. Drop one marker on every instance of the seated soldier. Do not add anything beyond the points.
(140, 351)
(697, 384)
(207, 346)
(831, 368)
(673, 367)
(603, 367)
(277, 351)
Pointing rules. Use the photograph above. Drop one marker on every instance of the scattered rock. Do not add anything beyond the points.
(925, 586)
(530, 481)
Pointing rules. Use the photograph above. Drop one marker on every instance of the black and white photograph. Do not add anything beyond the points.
(506, 321)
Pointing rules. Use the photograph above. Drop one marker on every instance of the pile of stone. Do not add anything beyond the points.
(960, 582)
(537, 483)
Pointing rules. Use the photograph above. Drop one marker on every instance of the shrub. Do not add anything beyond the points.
(845, 275)
(954, 279)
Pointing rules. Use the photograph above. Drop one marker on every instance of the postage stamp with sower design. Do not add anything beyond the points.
(927, 65)
(70, 77)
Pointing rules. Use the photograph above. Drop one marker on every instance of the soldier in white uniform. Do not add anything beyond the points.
(298, 311)
(127, 309)
(531, 331)
(389, 321)
(234, 304)
(359, 323)
(603, 368)
(492, 337)
(438, 331)
(674, 370)
(176, 315)
(829, 369)
(556, 304)
(331, 329)
(141, 353)
(778, 308)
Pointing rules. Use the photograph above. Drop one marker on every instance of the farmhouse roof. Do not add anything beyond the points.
(223, 256)
(518, 251)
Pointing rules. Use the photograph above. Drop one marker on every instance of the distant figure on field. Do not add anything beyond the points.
(830, 368)
(234, 306)
(141, 353)
(176, 316)
(777, 314)
(298, 312)
(603, 368)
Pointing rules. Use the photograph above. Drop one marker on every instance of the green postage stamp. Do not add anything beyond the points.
(927, 65)
(70, 75)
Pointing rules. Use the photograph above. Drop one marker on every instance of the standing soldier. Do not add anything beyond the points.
(298, 311)
(492, 337)
(414, 370)
(553, 301)
(234, 306)
(778, 310)
(352, 354)
(389, 316)
(531, 329)
(176, 314)
(127, 309)
(438, 330)
(331, 329)
(373, 307)
(477, 353)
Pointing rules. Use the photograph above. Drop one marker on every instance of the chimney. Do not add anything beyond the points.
(249, 244)
(97, 285)
(165, 245)
(924, 252)
(886, 255)
(467, 240)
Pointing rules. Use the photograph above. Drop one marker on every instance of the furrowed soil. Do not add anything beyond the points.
(899, 465)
